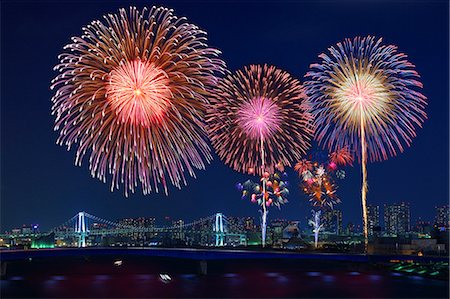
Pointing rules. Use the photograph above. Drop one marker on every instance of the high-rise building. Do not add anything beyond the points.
(203, 229)
(249, 224)
(373, 217)
(142, 222)
(397, 218)
(441, 220)
(235, 224)
(178, 232)
(350, 229)
(332, 222)
(276, 228)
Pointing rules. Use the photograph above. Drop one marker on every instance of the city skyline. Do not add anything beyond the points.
(332, 224)
(41, 184)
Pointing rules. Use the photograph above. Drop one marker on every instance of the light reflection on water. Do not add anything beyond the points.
(328, 278)
(313, 274)
(101, 277)
(374, 277)
(281, 284)
(59, 277)
(144, 276)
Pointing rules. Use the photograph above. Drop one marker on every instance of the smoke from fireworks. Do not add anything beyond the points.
(131, 94)
(258, 116)
(365, 96)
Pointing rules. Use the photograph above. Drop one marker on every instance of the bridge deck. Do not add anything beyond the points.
(202, 254)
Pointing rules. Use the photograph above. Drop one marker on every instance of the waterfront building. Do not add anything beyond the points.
(441, 220)
(397, 218)
(250, 224)
(423, 227)
(202, 231)
(350, 229)
(332, 222)
(178, 232)
(26, 229)
(16, 231)
(373, 218)
(276, 228)
(235, 224)
(139, 222)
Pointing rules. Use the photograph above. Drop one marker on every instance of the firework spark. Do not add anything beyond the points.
(259, 110)
(319, 178)
(303, 165)
(321, 191)
(276, 191)
(132, 93)
(341, 157)
(271, 190)
(365, 96)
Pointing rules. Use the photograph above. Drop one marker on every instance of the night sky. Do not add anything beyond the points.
(40, 184)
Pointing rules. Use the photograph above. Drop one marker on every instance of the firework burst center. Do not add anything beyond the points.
(259, 117)
(363, 95)
(139, 93)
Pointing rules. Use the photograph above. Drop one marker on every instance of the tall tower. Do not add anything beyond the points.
(373, 217)
(81, 229)
(332, 222)
(218, 228)
(397, 218)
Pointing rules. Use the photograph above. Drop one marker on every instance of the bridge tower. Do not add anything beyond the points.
(219, 230)
(80, 228)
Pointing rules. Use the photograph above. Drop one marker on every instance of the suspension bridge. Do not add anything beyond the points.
(84, 225)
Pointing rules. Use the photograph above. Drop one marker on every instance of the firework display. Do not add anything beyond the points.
(131, 94)
(258, 121)
(257, 118)
(270, 190)
(276, 191)
(365, 95)
(318, 177)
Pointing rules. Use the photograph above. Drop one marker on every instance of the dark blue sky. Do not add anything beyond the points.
(39, 182)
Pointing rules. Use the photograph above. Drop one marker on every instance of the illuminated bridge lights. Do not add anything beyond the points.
(78, 227)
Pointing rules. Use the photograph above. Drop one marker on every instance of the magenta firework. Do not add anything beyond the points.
(258, 118)
(131, 93)
(365, 96)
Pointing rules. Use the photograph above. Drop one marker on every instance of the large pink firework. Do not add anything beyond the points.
(131, 94)
(365, 96)
(257, 121)
(258, 118)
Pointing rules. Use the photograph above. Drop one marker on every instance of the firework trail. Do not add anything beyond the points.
(257, 119)
(131, 93)
(365, 96)
(315, 223)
